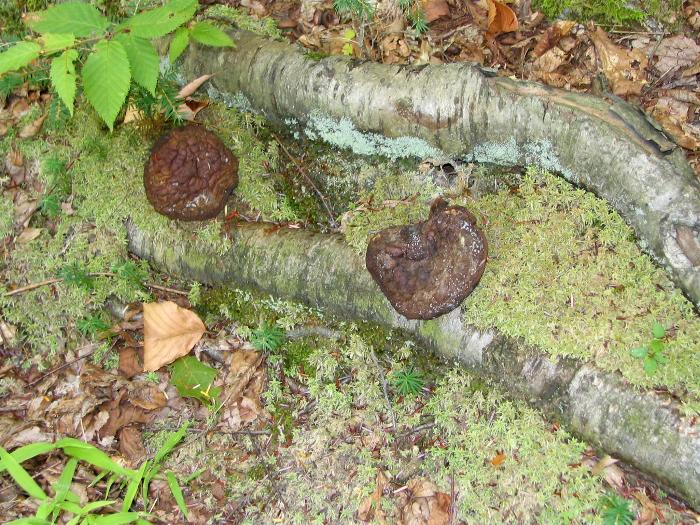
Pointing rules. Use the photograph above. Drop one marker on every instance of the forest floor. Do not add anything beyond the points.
(282, 414)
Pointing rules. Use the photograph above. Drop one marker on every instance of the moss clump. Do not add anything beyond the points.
(565, 274)
(265, 26)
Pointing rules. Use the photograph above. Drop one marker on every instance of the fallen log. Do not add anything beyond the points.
(322, 271)
(462, 111)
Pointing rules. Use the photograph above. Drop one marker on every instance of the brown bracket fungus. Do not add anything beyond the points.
(428, 269)
(190, 174)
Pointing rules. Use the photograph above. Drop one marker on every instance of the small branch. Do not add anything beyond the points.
(324, 201)
(47, 282)
(92, 350)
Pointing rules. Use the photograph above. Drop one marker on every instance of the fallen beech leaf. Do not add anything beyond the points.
(29, 234)
(131, 445)
(435, 9)
(169, 332)
(676, 52)
(624, 68)
(32, 128)
(610, 471)
(503, 20)
(188, 110)
(673, 115)
(550, 37)
(188, 89)
(498, 459)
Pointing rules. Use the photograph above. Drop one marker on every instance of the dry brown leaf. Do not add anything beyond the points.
(426, 505)
(624, 68)
(32, 128)
(676, 52)
(504, 19)
(131, 445)
(188, 110)
(650, 512)
(132, 114)
(370, 508)
(29, 234)
(169, 332)
(674, 116)
(498, 459)
(613, 474)
(189, 89)
(550, 61)
(129, 362)
(551, 37)
(14, 165)
(435, 9)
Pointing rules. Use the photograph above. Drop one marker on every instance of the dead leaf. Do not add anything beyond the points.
(14, 165)
(503, 19)
(498, 459)
(32, 128)
(550, 61)
(435, 9)
(650, 512)
(426, 504)
(132, 114)
(676, 52)
(130, 362)
(169, 332)
(188, 110)
(370, 508)
(674, 115)
(552, 35)
(131, 445)
(146, 395)
(610, 471)
(189, 89)
(29, 234)
(624, 68)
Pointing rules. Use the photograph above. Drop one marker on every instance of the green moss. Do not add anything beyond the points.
(7, 211)
(565, 275)
(265, 26)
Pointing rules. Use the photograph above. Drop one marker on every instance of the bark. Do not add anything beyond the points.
(322, 271)
(604, 145)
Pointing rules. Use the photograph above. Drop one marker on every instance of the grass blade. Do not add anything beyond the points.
(171, 442)
(133, 488)
(26, 452)
(21, 476)
(177, 492)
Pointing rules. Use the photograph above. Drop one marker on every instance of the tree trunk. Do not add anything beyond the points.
(322, 271)
(604, 145)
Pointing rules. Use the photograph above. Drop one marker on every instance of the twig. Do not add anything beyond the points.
(311, 182)
(452, 499)
(385, 388)
(94, 346)
(47, 282)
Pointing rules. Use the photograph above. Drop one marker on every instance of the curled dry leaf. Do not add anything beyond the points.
(624, 68)
(676, 52)
(502, 19)
(32, 128)
(613, 474)
(189, 89)
(675, 116)
(435, 9)
(169, 332)
(370, 508)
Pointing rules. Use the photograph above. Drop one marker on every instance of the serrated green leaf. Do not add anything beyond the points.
(656, 346)
(52, 42)
(177, 492)
(143, 59)
(658, 330)
(178, 43)
(18, 56)
(63, 77)
(170, 443)
(193, 378)
(162, 20)
(73, 17)
(106, 79)
(639, 352)
(650, 365)
(210, 35)
(21, 476)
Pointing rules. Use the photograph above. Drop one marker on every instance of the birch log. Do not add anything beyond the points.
(604, 145)
(322, 271)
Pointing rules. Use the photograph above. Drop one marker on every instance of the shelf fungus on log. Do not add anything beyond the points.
(428, 269)
(190, 174)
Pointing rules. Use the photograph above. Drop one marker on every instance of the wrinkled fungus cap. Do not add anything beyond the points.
(428, 269)
(190, 174)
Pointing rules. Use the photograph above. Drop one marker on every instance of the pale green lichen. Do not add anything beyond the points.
(343, 134)
(7, 211)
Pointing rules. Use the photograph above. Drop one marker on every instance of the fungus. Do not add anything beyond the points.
(190, 174)
(428, 269)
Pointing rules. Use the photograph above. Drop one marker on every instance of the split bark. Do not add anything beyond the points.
(322, 271)
(604, 145)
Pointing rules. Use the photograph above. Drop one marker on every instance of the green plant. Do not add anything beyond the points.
(616, 511)
(408, 382)
(112, 55)
(91, 326)
(65, 502)
(653, 352)
(413, 11)
(267, 337)
(74, 275)
(192, 378)
(360, 9)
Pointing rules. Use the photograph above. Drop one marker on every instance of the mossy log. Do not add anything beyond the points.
(322, 271)
(602, 144)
